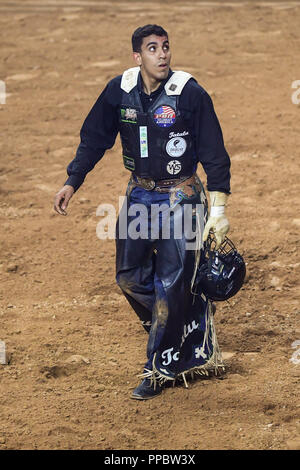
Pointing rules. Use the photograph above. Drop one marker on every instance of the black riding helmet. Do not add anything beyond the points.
(221, 272)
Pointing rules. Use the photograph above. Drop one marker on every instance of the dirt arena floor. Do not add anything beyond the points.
(75, 347)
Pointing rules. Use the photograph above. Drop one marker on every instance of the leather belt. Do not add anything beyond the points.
(162, 186)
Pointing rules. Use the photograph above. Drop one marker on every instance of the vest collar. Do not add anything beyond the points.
(174, 84)
(132, 78)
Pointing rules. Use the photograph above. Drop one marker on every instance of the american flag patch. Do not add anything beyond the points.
(164, 116)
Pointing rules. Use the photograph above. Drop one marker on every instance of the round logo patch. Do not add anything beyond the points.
(174, 167)
(176, 147)
(164, 116)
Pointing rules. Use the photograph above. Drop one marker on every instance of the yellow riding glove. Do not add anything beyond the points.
(217, 221)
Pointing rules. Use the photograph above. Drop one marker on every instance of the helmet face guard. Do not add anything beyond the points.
(221, 272)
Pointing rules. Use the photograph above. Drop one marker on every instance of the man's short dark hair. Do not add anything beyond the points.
(144, 31)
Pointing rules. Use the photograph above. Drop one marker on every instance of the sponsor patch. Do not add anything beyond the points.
(176, 147)
(129, 163)
(128, 115)
(177, 134)
(143, 142)
(172, 87)
(173, 167)
(164, 116)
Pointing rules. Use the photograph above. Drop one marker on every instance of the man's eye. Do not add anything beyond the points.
(152, 48)
(166, 48)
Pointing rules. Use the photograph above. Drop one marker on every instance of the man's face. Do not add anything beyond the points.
(154, 58)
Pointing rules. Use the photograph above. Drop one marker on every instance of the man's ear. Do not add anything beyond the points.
(137, 58)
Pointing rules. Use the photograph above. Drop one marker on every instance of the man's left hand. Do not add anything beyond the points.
(219, 226)
(217, 221)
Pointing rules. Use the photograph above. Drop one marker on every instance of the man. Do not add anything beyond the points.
(167, 126)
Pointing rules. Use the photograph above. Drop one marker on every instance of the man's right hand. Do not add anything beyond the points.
(62, 199)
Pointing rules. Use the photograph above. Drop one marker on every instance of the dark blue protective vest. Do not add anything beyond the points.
(157, 144)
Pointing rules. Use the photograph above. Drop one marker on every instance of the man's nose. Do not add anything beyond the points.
(162, 53)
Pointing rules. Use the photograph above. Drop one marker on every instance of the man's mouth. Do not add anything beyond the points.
(163, 66)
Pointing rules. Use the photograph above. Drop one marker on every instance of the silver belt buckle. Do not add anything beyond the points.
(147, 184)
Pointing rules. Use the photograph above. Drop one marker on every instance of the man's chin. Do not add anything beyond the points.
(162, 75)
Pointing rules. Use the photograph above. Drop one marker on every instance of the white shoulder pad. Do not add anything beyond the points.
(129, 79)
(177, 82)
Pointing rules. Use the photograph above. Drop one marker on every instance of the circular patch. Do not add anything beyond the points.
(176, 147)
(164, 116)
(173, 167)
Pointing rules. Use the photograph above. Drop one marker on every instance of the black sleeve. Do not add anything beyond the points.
(210, 149)
(98, 133)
